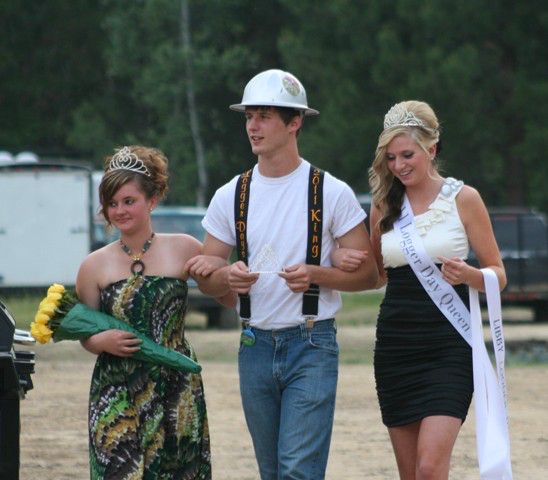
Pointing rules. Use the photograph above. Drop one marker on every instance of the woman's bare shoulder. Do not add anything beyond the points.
(94, 264)
(470, 205)
(181, 243)
(468, 195)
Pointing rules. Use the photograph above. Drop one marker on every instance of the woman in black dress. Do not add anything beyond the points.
(423, 366)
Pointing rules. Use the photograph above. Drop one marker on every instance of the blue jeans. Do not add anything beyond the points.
(288, 384)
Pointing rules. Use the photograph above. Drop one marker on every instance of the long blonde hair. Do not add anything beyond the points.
(386, 190)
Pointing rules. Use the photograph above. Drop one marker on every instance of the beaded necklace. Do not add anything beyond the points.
(137, 267)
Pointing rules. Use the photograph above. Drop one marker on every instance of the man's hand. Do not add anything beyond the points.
(297, 277)
(204, 265)
(348, 259)
(239, 278)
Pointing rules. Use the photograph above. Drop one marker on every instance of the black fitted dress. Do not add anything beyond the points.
(423, 366)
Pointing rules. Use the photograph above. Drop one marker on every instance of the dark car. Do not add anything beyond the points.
(522, 237)
(188, 220)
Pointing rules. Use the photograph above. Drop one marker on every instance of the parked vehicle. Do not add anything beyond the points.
(189, 220)
(522, 236)
(176, 219)
(45, 222)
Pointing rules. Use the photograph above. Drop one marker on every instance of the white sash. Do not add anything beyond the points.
(492, 436)
(441, 292)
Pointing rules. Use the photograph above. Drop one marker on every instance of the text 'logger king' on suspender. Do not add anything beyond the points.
(314, 243)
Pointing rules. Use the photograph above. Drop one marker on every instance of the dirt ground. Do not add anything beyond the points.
(54, 415)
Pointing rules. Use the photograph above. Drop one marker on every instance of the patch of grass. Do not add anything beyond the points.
(359, 308)
(356, 346)
(356, 352)
(523, 352)
(22, 306)
(363, 356)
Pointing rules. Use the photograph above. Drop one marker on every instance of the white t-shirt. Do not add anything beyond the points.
(277, 229)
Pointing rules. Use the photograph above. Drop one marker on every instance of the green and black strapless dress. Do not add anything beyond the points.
(423, 366)
(148, 421)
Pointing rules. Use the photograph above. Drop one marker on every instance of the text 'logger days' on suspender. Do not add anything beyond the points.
(314, 243)
(241, 205)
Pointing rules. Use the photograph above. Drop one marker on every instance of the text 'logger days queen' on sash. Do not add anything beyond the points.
(442, 293)
(492, 435)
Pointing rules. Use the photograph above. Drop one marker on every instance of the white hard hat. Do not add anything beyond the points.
(274, 88)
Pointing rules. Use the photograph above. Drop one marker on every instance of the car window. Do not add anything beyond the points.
(525, 233)
(534, 237)
(505, 228)
(179, 223)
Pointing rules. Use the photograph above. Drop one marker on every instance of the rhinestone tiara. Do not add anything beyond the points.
(125, 159)
(398, 116)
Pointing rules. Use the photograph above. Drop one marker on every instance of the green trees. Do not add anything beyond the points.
(50, 60)
(96, 75)
(478, 63)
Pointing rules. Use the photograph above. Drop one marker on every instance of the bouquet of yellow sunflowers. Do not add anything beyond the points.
(61, 316)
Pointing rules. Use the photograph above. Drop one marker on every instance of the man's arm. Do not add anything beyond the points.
(213, 283)
(222, 283)
(299, 277)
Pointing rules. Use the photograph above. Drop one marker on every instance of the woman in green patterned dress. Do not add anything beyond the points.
(145, 421)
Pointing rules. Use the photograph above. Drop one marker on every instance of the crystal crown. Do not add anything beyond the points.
(125, 159)
(398, 116)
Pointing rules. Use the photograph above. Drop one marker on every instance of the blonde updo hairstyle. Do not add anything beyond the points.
(386, 190)
(153, 185)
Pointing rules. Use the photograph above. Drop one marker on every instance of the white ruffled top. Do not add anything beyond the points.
(440, 229)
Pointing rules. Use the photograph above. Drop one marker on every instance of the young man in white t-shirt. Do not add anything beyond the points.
(288, 362)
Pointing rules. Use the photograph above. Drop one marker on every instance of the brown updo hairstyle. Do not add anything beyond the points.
(386, 190)
(151, 186)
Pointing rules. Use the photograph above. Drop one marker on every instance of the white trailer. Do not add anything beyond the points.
(45, 223)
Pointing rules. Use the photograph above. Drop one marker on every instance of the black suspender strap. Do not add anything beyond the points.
(314, 244)
(241, 205)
